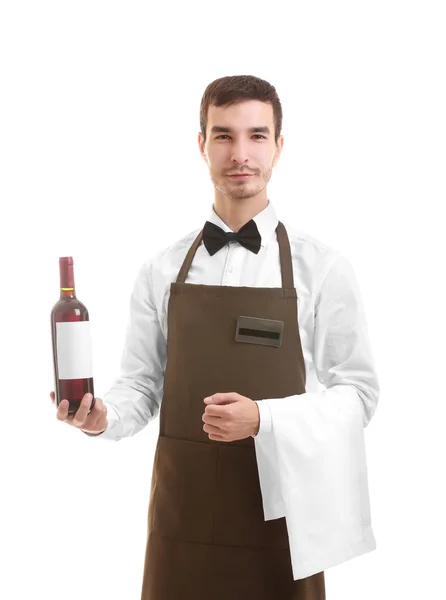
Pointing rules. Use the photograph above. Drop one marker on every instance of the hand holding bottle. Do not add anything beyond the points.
(94, 421)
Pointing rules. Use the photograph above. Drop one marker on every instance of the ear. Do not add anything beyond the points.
(201, 144)
(278, 150)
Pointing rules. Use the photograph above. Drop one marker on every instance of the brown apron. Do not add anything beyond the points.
(207, 537)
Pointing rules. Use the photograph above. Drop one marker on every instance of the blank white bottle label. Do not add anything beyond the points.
(74, 355)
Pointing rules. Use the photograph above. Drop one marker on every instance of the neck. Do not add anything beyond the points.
(236, 212)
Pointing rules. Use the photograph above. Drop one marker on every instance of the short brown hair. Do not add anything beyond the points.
(239, 88)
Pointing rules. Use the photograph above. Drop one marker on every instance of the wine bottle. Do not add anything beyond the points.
(71, 338)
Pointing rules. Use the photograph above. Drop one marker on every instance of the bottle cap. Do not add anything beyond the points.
(66, 273)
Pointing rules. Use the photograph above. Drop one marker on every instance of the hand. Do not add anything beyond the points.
(230, 416)
(95, 422)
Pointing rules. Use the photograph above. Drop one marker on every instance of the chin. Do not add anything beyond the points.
(244, 195)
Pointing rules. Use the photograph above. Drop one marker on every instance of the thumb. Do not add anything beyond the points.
(222, 398)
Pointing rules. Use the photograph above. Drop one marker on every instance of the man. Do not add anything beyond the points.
(230, 329)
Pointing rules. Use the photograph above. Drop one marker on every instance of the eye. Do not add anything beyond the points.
(258, 135)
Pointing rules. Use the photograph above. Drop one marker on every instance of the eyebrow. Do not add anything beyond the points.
(219, 129)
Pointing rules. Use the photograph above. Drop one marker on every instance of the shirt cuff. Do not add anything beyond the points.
(114, 426)
(265, 417)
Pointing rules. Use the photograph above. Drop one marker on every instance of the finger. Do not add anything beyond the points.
(93, 419)
(102, 423)
(62, 410)
(99, 423)
(222, 398)
(215, 410)
(81, 414)
(212, 429)
(217, 438)
(211, 419)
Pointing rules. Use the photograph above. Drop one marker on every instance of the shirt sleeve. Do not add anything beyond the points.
(136, 394)
(342, 349)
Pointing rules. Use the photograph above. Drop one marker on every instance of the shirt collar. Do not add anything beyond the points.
(266, 222)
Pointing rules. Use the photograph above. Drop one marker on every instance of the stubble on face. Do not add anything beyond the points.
(237, 189)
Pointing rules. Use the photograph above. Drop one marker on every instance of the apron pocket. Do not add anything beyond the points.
(239, 518)
(183, 491)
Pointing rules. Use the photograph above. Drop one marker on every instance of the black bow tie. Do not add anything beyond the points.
(214, 238)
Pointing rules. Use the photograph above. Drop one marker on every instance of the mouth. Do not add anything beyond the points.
(242, 176)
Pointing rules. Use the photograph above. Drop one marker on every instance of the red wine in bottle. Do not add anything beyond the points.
(72, 349)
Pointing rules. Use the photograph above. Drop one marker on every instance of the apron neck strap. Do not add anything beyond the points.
(286, 264)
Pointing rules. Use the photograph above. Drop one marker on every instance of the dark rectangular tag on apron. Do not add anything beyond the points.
(253, 330)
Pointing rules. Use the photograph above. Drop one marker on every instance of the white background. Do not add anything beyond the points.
(99, 110)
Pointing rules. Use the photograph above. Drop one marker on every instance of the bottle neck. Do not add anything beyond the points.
(67, 288)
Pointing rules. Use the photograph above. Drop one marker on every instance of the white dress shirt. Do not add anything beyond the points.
(305, 441)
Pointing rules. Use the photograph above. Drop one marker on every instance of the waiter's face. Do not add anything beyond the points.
(234, 146)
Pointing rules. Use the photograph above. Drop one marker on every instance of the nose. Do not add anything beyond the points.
(239, 153)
